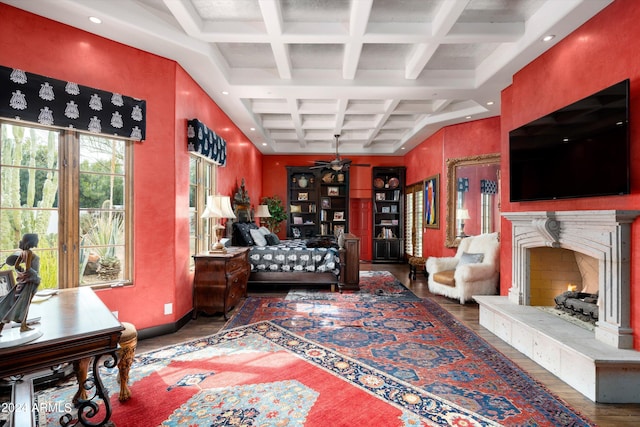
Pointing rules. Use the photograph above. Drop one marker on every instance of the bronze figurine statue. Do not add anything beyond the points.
(14, 307)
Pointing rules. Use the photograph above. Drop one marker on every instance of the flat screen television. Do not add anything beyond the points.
(581, 150)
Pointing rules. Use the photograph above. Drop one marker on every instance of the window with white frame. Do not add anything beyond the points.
(202, 183)
(414, 219)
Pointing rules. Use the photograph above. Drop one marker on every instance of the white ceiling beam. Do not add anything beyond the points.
(389, 107)
(272, 16)
(358, 19)
(444, 20)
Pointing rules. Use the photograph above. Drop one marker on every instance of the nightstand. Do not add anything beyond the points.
(220, 280)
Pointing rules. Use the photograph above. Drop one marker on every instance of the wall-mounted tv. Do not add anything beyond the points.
(581, 150)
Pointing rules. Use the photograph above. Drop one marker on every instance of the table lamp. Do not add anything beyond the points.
(462, 215)
(262, 212)
(218, 207)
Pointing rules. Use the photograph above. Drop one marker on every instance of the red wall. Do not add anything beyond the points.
(430, 158)
(161, 167)
(600, 53)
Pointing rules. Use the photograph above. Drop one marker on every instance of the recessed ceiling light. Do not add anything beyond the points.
(264, 144)
(468, 117)
(224, 92)
(490, 103)
(95, 20)
(548, 38)
(252, 128)
(402, 148)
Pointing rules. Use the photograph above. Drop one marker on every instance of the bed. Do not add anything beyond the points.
(316, 261)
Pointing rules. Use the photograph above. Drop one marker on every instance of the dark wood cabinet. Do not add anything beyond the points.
(387, 249)
(220, 280)
(318, 202)
(388, 214)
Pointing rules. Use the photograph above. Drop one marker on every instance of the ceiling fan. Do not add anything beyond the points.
(338, 164)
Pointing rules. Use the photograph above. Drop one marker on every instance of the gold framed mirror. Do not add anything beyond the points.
(473, 196)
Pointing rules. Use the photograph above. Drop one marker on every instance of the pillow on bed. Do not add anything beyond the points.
(258, 237)
(242, 234)
(264, 230)
(272, 239)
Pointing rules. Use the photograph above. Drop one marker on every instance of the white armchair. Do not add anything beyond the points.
(474, 270)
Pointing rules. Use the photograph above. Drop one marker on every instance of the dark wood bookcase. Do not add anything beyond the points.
(317, 202)
(388, 213)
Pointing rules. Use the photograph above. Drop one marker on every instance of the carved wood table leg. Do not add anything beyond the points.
(128, 344)
(80, 367)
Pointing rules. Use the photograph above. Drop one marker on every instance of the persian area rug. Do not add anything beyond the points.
(264, 375)
(374, 285)
(422, 344)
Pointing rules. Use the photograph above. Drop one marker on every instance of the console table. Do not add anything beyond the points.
(220, 280)
(75, 324)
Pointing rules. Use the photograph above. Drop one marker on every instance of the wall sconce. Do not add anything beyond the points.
(218, 207)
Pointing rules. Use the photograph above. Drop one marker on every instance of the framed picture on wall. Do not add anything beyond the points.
(333, 191)
(432, 202)
(325, 203)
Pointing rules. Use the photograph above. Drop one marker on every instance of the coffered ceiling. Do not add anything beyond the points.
(383, 74)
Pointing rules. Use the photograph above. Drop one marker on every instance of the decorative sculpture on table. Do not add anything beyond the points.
(14, 307)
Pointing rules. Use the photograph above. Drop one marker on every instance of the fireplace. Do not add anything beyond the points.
(602, 239)
(604, 235)
(553, 271)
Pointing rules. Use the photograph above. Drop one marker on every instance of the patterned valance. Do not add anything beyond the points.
(463, 185)
(203, 141)
(39, 99)
(488, 187)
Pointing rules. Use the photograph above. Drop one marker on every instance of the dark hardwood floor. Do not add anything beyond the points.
(601, 414)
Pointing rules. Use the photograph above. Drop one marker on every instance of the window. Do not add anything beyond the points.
(414, 203)
(202, 180)
(74, 191)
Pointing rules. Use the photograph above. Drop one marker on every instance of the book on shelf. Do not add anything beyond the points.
(386, 233)
(324, 229)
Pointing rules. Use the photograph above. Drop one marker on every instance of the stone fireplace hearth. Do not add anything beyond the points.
(601, 365)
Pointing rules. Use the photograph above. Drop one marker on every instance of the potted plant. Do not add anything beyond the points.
(103, 237)
(277, 211)
(109, 268)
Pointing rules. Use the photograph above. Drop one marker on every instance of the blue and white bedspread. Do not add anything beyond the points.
(294, 256)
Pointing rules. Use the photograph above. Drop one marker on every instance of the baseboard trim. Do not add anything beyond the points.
(167, 328)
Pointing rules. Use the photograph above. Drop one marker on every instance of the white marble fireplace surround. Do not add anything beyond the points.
(602, 365)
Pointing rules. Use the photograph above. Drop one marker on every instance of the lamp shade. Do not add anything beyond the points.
(462, 214)
(218, 207)
(211, 210)
(225, 207)
(262, 212)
